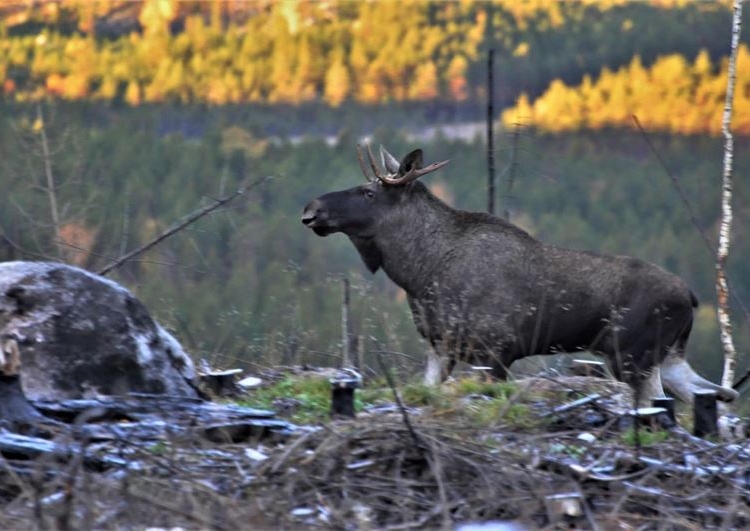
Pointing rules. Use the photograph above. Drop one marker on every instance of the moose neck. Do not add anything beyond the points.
(414, 238)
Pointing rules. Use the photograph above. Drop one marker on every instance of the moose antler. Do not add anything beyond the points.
(394, 178)
(361, 160)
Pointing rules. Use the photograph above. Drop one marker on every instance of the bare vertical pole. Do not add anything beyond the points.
(345, 340)
(511, 169)
(490, 133)
(722, 289)
(361, 354)
(51, 189)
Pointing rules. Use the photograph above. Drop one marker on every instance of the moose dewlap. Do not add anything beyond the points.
(485, 291)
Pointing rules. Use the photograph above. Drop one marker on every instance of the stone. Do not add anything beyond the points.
(80, 335)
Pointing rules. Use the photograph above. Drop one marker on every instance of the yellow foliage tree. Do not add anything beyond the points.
(75, 87)
(424, 85)
(458, 86)
(107, 90)
(304, 73)
(337, 82)
(672, 95)
(133, 93)
(521, 114)
(156, 15)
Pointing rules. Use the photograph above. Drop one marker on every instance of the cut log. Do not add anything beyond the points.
(14, 446)
(221, 383)
(705, 414)
(591, 368)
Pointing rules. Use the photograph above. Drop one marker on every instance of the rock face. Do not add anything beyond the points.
(78, 335)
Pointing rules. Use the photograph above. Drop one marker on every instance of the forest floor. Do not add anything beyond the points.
(539, 454)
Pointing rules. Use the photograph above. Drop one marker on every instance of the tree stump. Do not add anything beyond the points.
(342, 397)
(15, 410)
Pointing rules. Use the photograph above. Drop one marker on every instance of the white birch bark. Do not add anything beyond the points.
(725, 325)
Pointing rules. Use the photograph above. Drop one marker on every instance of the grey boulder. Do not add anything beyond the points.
(74, 334)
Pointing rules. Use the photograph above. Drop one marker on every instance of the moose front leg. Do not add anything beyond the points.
(438, 367)
(649, 388)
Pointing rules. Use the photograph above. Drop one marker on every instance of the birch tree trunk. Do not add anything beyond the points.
(725, 325)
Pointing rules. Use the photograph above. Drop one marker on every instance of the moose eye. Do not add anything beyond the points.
(369, 193)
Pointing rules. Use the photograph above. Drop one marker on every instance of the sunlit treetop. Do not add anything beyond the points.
(369, 52)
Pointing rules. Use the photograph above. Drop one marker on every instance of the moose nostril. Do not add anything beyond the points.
(308, 216)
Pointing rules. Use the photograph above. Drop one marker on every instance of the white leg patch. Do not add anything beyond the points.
(433, 373)
(679, 378)
(651, 388)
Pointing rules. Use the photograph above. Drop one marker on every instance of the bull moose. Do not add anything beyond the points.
(483, 290)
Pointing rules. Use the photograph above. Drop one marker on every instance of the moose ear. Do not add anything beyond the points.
(369, 253)
(390, 163)
(412, 161)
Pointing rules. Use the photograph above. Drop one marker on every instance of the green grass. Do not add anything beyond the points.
(494, 411)
(473, 386)
(421, 395)
(158, 448)
(313, 395)
(644, 437)
(460, 400)
(413, 394)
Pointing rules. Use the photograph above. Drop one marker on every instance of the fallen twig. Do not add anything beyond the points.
(418, 443)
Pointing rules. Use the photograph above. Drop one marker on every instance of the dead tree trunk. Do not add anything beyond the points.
(50, 186)
(490, 133)
(346, 337)
(725, 325)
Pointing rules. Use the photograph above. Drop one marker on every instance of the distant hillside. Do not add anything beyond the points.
(672, 95)
(335, 52)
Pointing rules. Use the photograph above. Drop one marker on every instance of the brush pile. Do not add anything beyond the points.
(397, 468)
(384, 474)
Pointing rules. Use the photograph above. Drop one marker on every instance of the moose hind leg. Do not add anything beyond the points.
(679, 378)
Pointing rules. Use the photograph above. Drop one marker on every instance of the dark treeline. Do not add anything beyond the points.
(250, 284)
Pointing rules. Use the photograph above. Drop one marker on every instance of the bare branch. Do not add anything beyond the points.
(710, 245)
(125, 222)
(190, 218)
(416, 439)
(676, 182)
